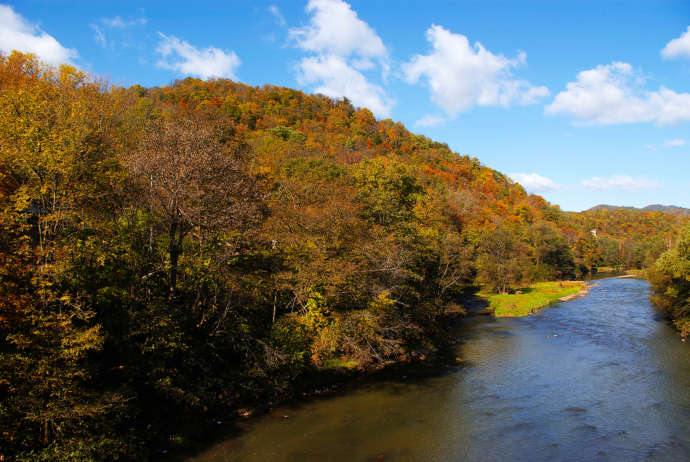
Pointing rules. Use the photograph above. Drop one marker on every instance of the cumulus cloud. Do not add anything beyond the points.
(344, 47)
(534, 183)
(461, 75)
(335, 28)
(335, 78)
(16, 33)
(619, 183)
(675, 143)
(180, 56)
(614, 94)
(678, 47)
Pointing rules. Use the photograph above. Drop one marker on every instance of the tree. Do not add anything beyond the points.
(192, 182)
(670, 279)
(387, 189)
(499, 264)
(587, 254)
(552, 254)
(53, 155)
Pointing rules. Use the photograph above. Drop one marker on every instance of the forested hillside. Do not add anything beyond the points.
(170, 255)
(628, 239)
(672, 209)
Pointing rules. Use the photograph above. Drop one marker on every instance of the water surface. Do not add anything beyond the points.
(602, 377)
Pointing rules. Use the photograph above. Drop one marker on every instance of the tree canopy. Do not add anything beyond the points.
(169, 255)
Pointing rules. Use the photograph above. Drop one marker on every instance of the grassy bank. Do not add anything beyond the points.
(610, 270)
(532, 298)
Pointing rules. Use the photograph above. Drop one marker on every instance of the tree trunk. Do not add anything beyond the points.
(174, 252)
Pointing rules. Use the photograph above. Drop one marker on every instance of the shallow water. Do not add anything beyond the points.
(602, 377)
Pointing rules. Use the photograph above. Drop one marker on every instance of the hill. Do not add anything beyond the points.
(670, 209)
(170, 256)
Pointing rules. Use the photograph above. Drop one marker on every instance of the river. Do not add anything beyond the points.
(603, 377)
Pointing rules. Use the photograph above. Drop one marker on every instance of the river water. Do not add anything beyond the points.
(603, 377)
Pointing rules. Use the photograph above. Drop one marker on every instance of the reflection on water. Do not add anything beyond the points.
(600, 378)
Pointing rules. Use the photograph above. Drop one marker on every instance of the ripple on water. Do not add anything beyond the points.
(612, 386)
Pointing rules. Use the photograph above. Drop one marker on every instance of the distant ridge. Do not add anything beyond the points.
(670, 209)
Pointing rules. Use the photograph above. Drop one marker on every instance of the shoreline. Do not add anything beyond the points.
(221, 427)
(332, 383)
(532, 299)
(581, 293)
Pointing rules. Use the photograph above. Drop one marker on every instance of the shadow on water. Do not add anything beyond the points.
(602, 377)
(393, 379)
(474, 304)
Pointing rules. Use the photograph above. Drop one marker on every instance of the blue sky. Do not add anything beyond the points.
(583, 102)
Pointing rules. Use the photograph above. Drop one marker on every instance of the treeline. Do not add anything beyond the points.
(169, 255)
(629, 239)
(670, 279)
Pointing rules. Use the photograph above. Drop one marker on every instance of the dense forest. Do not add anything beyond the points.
(171, 255)
(670, 279)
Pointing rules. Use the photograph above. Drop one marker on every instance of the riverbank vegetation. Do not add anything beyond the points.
(530, 299)
(670, 280)
(170, 255)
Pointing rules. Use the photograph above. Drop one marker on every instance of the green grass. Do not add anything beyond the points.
(635, 272)
(532, 298)
(612, 269)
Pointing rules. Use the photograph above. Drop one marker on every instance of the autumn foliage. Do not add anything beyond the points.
(169, 255)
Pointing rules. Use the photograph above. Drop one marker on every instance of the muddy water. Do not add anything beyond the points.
(603, 377)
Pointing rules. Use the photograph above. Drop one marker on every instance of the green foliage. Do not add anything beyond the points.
(670, 279)
(287, 133)
(172, 254)
(388, 190)
(499, 265)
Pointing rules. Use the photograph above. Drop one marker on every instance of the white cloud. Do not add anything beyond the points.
(98, 35)
(613, 94)
(678, 47)
(334, 28)
(430, 120)
(461, 76)
(619, 183)
(674, 143)
(119, 23)
(16, 33)
(651, 147)
(534, 183)
(100, 28)
(344, 48)
(335, 78)
(275, 11)
(178, 55)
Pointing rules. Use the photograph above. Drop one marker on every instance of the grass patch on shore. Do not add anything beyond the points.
(605, 270)
(532, 298)
(635, 272)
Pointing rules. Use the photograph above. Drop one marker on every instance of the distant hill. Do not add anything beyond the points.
(670, 209)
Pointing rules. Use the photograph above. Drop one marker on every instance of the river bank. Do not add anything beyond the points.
(318, 384)
(530, 299)
(604, 379)
(334, 381)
